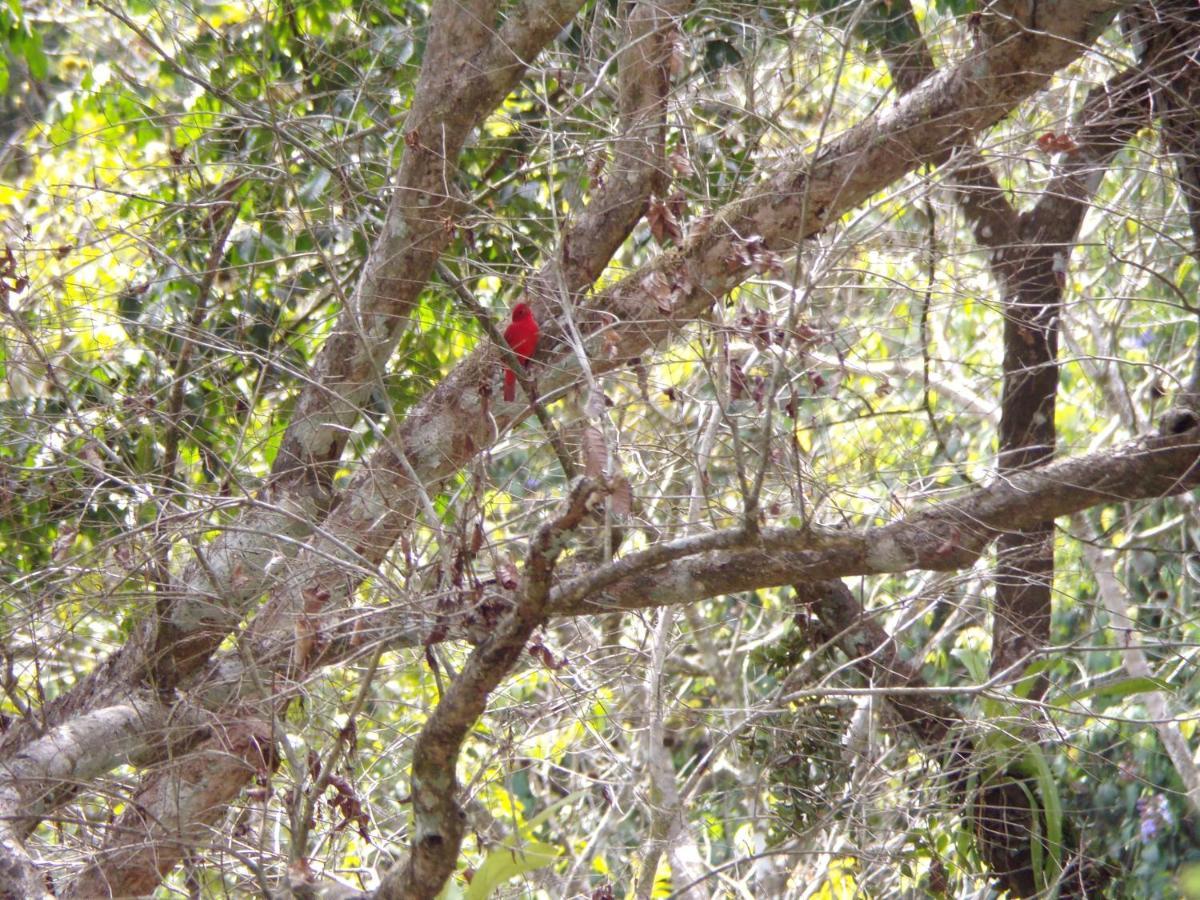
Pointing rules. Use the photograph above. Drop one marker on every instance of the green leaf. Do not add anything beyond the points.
(1035, 759)
(502, 864)
(1029, 677)
(35, 56)
(1035, 838)
(1188, 879)
(1122, 687)
(3, 74)
(505, 863)
(975, 661)
(994, 708)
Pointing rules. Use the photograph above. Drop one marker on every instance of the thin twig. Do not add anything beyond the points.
(514, 363)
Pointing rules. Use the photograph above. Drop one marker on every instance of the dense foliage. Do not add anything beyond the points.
(263, 508)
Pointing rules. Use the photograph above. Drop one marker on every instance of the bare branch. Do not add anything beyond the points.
(438, 826)
(446, 429)
(176, 809)
(468, 69)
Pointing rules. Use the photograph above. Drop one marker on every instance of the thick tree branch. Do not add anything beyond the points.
(800, 199)
(468, 69)
(176, 810)
(19, 875)
(438, 818)
(650, 306)
(587, 246)
(945, 537)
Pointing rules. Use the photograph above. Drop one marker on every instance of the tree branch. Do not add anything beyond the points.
(944, 537)
(175, 810)
(438, 818)
(446, 429)
(200, 613)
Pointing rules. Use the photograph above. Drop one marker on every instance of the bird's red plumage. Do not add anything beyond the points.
(522, 335)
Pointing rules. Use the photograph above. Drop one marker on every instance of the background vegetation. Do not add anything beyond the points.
(816, 282)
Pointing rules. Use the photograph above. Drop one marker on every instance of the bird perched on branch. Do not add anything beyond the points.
(522, 335)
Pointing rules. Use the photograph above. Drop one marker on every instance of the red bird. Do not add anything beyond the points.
(522, 335)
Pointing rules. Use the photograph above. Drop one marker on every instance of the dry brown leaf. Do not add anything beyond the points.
(681, 164)
(737, 381)
(622, 496)
(657, 286)
(677, 206)
(506, 575)
(663, 224)
(595, 454)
